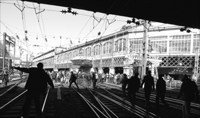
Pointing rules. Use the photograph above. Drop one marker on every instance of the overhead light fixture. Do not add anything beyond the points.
(188, 30)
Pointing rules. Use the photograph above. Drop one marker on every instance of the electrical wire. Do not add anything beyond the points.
(114, 19)
(26, 6)
(38, 20)
(83, 27)
(16, 38)
(53, 10)
(11, 31)
(92, 29)
(23, 17)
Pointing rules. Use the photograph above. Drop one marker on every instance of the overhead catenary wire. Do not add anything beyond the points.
(32, 33)
(11, 32)
(114, 19)
(83, 27)
(53, 10)
(22, 10)
(14, 35)
(37, 16)
(26, 6)
(93, 28)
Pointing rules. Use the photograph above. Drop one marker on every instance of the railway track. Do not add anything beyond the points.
(11, 104)
(174, 104)
(105, 104)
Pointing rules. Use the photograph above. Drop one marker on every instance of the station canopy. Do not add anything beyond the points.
(177, 12)
(81, 61)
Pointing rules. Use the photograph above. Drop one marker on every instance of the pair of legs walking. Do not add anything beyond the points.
(32, 95)
(70, 83)
(162, 97)
(131, 95)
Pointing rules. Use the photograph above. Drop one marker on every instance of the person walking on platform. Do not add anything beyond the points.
(73, 79)
(36, 85)
(53, 76)
(160, 91)
(5, 77)
(148, 82)
(21, 74)
(190, 91)
(133, 87)
(123, 81)
(94, 79)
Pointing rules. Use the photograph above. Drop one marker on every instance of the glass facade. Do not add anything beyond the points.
(180, 44)
(158, 44)
(196, 42)
(136, 45)
(120, 45)
(107, 48)
(88, 52)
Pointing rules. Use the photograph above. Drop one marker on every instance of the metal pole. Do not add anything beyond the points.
(26, 55)
(9, 54)
(145, 48)
(14, 59)
(4, 49)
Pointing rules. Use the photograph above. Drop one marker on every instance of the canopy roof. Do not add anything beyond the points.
(178, 12)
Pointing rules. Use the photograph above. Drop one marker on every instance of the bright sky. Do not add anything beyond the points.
(58, 28)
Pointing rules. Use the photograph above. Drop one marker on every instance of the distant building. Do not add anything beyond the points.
(170, 52)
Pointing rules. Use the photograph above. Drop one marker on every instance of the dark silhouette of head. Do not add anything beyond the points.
(136, 74)
(125, 75)
(149, 73)
(40, 65)
(185, 78)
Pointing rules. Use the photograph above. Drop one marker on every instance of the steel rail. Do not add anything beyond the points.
(172, 104)
(176, 101)
(136, 107)
(10, 89)
(166, 98)
(45, 100)
(128, 108)
(103, 106)
(169, 100)
(13, 100)
(92, 107)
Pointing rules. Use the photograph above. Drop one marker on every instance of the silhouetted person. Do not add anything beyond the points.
(148, 82)
(190, 91)
(36, 85)
(5, 78)
(94, 80)
(53, 75)
(73, 80)
(160, 91)
(21, 74)
(133, 87)
(124, 81)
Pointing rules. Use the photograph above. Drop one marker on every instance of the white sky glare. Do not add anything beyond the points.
(58, 28)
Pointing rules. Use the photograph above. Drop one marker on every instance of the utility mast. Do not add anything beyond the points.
(196, 64)
(4, 49)
(145, 48)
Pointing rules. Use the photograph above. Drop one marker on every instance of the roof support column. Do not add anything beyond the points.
(145, 48)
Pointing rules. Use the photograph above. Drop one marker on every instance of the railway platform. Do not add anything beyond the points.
(64, 103)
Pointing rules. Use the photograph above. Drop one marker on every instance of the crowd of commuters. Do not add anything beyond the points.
(39, 78)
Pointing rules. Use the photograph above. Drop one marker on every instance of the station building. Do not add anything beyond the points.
(170, 51)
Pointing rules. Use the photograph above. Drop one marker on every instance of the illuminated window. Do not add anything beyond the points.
(180, 44)
(196, 42)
